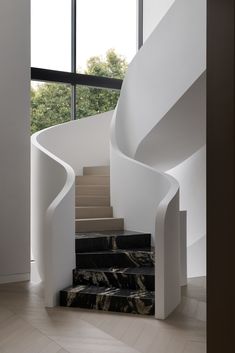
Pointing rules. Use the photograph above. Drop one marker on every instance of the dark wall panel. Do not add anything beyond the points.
(221, 177)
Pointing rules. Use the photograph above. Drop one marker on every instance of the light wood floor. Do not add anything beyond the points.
(27, 327)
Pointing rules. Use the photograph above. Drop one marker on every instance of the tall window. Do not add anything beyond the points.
(51, 34)
(103, 25)
(80, 51)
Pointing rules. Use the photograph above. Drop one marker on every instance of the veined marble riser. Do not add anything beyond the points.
(141, 278)
(108, 299)
(115, 258)
(114, 272)
(101, 241)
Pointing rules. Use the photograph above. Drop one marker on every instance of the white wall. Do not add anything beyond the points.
(14, 140)
(154, 11)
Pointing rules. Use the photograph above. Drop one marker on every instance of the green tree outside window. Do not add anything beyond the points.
(51, 102)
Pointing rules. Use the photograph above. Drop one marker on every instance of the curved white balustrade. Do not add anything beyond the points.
(58, 153)
(149, 201)
(166, 67)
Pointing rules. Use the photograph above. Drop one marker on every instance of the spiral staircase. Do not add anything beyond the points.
(163, 85)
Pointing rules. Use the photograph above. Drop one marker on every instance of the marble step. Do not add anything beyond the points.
(93, 212)
(92, 180)
(93, 190)
(109, 299)
(99, 241)
(135, 278)
(115, 258)
(98, 224)
(93, 201)
(99, 170)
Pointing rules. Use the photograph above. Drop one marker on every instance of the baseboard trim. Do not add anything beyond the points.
(18, 277)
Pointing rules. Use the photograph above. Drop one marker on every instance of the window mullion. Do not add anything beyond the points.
(73, 55)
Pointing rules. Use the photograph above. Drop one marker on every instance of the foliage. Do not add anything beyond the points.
(51, 102)
(50, 105)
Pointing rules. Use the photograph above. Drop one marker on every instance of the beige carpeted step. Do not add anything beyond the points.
(99, 224)
(92, 201)
(92, 180)
(99, 170)
(94, 212)
(92, 190)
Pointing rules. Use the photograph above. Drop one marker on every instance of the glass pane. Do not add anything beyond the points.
(106, 26)
(92, 101)
(50, 105)
(51, 34)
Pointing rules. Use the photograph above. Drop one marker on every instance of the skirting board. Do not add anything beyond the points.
(18, 277)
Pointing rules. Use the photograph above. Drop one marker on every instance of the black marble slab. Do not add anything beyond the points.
(115, 258)
(85, 242)
(135, 278)
(109, 299)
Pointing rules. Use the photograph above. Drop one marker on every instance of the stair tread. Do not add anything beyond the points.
(110, 291)
(88, 175)
(82, 235)
(92, 207)
(92, 197)
(126, 270)
(96, 219)
(92, 179)
(119, 251)
(93, 186)
(96, 170)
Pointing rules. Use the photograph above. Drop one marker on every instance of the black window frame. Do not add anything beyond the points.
(73, 78)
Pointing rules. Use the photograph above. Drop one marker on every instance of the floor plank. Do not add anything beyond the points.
(27, 327)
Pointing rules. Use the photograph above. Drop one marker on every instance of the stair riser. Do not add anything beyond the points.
(92, 201)
(110, 279)
(94, 212)
(125, 259)
(108, 303)
(103, 170)
(92, 180)
(92, 190)
(113, 242)
(99, 225)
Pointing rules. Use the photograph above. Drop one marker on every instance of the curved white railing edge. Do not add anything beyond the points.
(58, 154)
(166, 235)
(70, 174)
(115, 146)
(69, 170)
(58, 276)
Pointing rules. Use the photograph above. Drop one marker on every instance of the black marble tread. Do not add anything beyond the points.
(108, 233)
(136, 278)
(109, 299)
(98, 241)
(115, 258)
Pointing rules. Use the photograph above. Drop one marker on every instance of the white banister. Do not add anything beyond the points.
(171, 60)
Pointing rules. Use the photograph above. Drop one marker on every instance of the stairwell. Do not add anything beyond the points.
(93, 210)
(114, 268)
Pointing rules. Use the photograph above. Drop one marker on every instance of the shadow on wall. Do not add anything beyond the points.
(191, 175)
(181, 132)
(196, 257)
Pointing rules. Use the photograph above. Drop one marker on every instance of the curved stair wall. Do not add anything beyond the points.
(185, 159)
(167, 66)
(57, 154)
